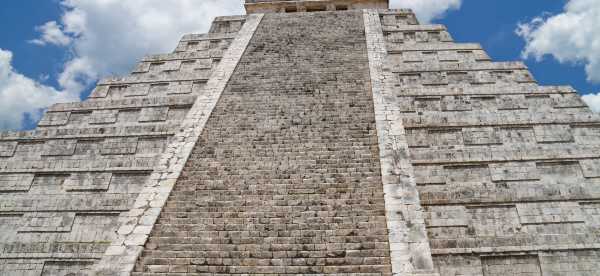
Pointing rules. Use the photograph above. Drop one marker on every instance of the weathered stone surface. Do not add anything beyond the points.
(409, 249)
(136, 224)
(331, 143)
(506, 170)
(285, 178)
(65, 185)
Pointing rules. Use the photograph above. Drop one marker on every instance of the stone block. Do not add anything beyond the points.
(59, 147)
(446, 216)
(482, 77)
(590, 167)
(580, 262)
(429, 175)
(518, 265)
(446, 137)
(409, 79)
(494, 221)
(467, 173)
(198, 86)
(128, 116)
(456, 103)
(21, 267)
(154, 114)
(571, 100)
(539, 101)
(512, 102)
(55, 119)
(177, 114)
(205, 63)
(450, 56)
(459, 77)
(549, 213)
(433, 79)
(39, 222)
(197, 45)
(119, 146)
(592, 214)
(117, 91)
(514, 171)
(68, 268)
(189, 66)
(162, 66)
(481, 136)
(151, 146)
(561, 172)
(101, 91)
(15, 182)
(104, 116)
(180, 88)
(137, 90)
(517, 135)
(467, 265)
(159, 89)
(7, 149)
(553, 133)
(91, 181)
(586, 134)
(79, 119)
(142, 67)
(418, 138)
(398, 19)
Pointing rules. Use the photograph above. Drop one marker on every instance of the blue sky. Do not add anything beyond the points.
(18, 20)
(91, 39)
(492, 23)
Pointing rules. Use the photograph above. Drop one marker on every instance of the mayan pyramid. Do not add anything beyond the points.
(326, 137)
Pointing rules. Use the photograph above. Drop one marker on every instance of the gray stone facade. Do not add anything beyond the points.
(285, 178)
(344, 142)
(505, 169)
(70, 189)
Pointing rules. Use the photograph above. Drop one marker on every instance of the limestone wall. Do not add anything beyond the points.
(65, 185)
(332, 143)
(506, 169)
(285, 178)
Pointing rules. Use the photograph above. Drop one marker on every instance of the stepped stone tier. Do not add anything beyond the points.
(308, 137)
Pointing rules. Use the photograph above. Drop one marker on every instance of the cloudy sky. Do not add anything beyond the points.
(55, 50)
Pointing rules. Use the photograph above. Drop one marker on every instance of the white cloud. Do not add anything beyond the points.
(103, 38)
(109, 36)
(51, 34)
(20, 95)
(593, 101)
(572, 36)
(427, 10)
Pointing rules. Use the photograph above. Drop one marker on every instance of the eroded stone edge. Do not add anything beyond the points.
(409, 247)
(136, 225)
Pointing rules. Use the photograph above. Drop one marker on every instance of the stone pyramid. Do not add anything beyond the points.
(325, 137)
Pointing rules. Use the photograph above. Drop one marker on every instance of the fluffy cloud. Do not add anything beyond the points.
(427, 10)
(103, 38)
(51, 34)
(572, 36)
(109, 36)
(593, 101)
(20, 95)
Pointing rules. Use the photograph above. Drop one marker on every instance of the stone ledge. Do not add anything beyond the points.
(513, 249)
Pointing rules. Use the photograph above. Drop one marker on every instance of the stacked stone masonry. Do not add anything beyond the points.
(64, 185)
(344, 143)
(285, 178)
(506, 170)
